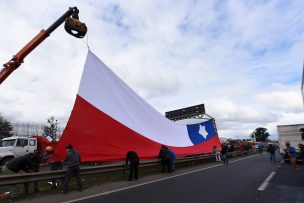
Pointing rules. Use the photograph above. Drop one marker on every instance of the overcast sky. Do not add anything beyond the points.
(242, 59)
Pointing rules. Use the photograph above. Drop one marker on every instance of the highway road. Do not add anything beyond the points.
(246, 180)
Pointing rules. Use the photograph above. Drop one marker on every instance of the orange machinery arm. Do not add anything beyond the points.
(16, 61)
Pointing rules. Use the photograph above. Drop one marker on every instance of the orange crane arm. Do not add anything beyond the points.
(72, 24)
(16, 61)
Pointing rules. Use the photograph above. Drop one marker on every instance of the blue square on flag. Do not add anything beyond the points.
(201, 132)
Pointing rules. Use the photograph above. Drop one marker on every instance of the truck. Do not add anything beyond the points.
(293, 134)
(16, 146)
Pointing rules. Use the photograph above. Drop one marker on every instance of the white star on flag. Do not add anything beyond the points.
(202, 131)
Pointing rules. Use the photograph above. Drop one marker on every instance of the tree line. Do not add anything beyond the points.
(27, 129)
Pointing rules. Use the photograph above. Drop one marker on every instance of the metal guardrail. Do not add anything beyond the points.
(48, 175)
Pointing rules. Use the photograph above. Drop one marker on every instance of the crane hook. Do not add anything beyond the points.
(74, 27)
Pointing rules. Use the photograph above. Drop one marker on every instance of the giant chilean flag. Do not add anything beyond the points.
(109, 119)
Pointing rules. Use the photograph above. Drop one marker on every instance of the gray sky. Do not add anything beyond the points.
(242, 59)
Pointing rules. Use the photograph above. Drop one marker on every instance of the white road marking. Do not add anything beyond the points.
(153, 181)
(266, 182)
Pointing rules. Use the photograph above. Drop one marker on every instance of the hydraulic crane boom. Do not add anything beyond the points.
(72, 25)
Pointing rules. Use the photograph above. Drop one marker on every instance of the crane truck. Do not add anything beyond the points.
(17, 146)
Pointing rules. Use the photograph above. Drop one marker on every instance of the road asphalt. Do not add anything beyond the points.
(284, 185)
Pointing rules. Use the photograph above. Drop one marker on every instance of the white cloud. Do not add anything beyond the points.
(288, 101)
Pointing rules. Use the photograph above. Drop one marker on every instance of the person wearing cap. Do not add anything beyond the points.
(72, 159)
(54, 165)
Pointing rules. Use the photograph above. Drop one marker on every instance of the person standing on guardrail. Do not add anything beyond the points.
(224, 153)
(72, 159)
(217, 154)
(133, 158)
(24, 163)
(165, 158)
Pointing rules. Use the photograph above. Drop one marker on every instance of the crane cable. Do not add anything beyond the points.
(86, 42)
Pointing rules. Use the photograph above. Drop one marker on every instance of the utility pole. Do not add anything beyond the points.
(302, 86)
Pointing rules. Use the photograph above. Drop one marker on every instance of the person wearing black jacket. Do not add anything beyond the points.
(271, 150)
(36, 161)
(26, 163)
(72, 159)
(22, 163)
(165, 158)
(133, 158)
